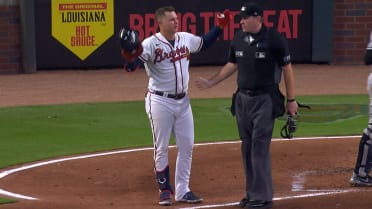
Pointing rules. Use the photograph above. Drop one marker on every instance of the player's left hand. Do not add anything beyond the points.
(223, 19)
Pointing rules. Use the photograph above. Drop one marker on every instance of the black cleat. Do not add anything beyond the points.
(360, 181)
(259, 204)
(190, 197)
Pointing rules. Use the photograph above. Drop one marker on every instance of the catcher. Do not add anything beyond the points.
(363, 164)
(166, 58)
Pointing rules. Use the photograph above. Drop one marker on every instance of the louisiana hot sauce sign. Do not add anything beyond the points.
(82, 25)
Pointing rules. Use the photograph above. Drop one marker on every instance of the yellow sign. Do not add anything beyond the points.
(82, 25)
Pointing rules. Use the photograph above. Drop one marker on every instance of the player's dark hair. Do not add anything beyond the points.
(161, 11)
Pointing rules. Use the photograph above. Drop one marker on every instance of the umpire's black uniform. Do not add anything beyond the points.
(259, 58)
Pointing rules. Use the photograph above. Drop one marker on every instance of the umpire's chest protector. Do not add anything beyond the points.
(256, 63)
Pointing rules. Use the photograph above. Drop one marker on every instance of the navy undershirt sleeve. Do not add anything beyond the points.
(211, 37)
(131, 66)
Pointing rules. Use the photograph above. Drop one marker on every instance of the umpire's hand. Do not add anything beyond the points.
(292, 108)
(203, 83)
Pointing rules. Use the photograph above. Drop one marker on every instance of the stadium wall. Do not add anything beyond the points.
(352, 22)
(351, 27)
(10, 37)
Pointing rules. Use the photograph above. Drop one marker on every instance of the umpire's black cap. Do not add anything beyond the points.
(250, 9)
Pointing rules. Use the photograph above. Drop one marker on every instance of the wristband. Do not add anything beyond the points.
(291, 100)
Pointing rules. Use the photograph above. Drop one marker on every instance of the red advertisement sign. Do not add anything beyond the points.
(293, 19)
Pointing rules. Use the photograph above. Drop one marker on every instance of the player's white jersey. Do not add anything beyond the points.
(168, 66)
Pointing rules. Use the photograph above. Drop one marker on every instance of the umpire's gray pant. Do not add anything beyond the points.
(255, 124)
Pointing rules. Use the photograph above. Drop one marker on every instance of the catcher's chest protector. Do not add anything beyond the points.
(368, 54)
(368, 57)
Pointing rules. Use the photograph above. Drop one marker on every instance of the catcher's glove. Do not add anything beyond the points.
(130, 44)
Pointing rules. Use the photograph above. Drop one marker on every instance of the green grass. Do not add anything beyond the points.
(39, 132)
(6, 201)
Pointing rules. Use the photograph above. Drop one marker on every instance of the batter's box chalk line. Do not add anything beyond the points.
(315, 194)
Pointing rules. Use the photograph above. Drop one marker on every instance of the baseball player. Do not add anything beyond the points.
(166, 59)
(363, 164)
(257, 54)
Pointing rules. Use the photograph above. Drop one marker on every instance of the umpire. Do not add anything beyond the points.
(260, 55)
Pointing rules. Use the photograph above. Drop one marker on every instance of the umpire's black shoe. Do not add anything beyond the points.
(259, 204)
(360, 181)
(244, 202)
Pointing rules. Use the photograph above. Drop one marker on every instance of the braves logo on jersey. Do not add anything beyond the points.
(174, 55)
(167, 63)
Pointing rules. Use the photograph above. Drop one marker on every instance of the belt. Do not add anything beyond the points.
(254, 92)
(172, 96)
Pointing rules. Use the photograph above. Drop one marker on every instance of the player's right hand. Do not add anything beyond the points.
(130, 44)
(133, 65)
(132, 55)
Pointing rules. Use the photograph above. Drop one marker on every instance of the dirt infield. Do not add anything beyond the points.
(71, 86)
(310, 173)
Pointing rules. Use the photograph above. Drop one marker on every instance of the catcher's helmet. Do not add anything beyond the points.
(129, 39)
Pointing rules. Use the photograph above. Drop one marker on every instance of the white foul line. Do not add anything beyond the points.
(279, 198)
(22, 168)
(26, 167)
